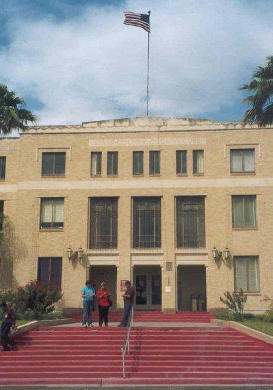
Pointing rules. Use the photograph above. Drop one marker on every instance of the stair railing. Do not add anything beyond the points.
(126, 341)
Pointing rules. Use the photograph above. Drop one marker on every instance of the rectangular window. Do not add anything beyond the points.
(53, 163)
(96, 158)
(181, 162)
(154, 162)
(2, 167)
(112, 163)
(244, 211)
(242, 160)
(1, 214)
(103, 223)
(246, 273)
(190, 222)
(198, 162)
(147, 222)
(52, 213)
(50, 271)
(138, 163)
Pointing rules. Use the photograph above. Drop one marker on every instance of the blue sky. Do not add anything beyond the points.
(75, 61)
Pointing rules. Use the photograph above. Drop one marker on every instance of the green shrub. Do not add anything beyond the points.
(235, 302)
(33, 301)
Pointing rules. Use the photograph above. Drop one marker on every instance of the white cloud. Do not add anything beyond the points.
(93, 67)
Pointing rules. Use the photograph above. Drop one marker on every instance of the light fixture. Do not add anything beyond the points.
(226, 253)
(69, 252)
(215, 253)
(80, 252)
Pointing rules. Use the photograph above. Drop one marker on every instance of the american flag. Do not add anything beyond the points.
(138, 20)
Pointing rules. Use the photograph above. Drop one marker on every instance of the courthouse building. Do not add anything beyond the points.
(183, 208)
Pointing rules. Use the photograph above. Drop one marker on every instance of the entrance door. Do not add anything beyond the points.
(191, 288)
(147, 282)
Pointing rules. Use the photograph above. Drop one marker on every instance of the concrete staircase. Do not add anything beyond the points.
(169, 355)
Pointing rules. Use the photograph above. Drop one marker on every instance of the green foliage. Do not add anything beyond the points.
(235, 302)
(33, 301)
(261, 85)
(13, 115)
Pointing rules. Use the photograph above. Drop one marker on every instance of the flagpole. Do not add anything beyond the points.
(148, 67)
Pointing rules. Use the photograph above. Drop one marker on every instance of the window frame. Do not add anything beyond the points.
(185, 153)
(50, 267)
(93, 240)
(242, 172)
(1, 214)
(112, 162)
(138, 153)
(54, 174)
(154, 168)
(248, 291)
(179, 201)
(3, 164)
(243, 197)
(98, 172)
(194, 164)
(157, 236)
(52, 227)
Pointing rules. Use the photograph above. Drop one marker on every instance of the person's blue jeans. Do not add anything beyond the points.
(87, 312)
(126, 314)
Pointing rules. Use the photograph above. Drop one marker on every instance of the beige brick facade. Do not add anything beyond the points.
(24, 186)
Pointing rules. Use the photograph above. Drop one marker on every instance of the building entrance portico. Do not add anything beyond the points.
(191, 287)
(147, 282)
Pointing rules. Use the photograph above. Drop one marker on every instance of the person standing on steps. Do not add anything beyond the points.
(128, 298)
(87, 296)
(103, 299)
(8, 323)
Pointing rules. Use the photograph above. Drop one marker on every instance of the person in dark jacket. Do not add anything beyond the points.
(128, 298)
(8, 322)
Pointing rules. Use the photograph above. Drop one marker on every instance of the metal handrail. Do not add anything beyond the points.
(126, 341)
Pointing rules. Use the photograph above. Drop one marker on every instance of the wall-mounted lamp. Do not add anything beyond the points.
(75, 255)
(217, 255)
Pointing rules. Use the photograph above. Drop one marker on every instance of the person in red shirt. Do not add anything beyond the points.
(103, 300)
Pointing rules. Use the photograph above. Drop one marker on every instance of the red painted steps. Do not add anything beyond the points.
(157, 316)
(191, 355)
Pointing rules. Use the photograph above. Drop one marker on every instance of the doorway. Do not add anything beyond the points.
(147, 282)
(191, 288)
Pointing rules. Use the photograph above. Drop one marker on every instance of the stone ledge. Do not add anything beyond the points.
(244, 329)
(34, 324)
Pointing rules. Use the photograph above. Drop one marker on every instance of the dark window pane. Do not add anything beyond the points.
(103, 223)
(48, 164)
(53, 163)
(59, 163)
(181, 161)
(112, 163)
(190, 220)
(154, 157)
(147, 222)
(1, 213)
(50, 271)
(138, 163)
(2, 167)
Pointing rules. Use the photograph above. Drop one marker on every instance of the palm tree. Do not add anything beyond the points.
(13, 115)
(261, 85)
